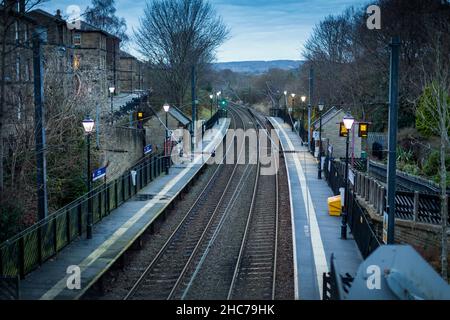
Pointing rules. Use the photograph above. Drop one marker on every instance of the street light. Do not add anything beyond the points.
(217, 99)
(321, 106)
(166, 109)
(285, 102)
(211, 97)
(303, 98)
(348, 124)
(293, 99)
(88, 125)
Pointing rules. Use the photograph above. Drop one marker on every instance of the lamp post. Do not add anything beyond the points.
(88, 125)
(292, 108)
(303, 98)
(348, 123)
(111, 94)
(166, 160)
(285, 103)
(321, 106)
(211, 97)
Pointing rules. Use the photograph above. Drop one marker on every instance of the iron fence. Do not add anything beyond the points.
(30, 248)
(335, 285)
(360, 226)
(9, 288)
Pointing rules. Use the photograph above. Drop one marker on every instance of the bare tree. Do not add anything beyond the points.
(176, 35)
(102, 15)
(10, 13)
(433, 114)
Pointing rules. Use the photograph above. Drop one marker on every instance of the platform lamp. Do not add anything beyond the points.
(211, 97)
(348, 124)
(166, 108)
(285, 103)
(321, 107)
(88, 125)
(292, 108)
(303, 98)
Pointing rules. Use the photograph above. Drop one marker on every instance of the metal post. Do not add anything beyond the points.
(166, 159)
(293, 100)
(392, 145)
(285, 107)
(320, 147)
(345, 212)
(211, 100)
(194, 111)
(90, 217)
(39, 38)
(97, 126)
(311, 90)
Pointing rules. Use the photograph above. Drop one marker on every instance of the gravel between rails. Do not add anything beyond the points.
(285, 286)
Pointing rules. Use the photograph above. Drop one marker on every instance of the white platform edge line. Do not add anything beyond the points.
(320, 261)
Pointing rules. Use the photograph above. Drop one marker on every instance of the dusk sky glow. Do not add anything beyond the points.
(260, 29)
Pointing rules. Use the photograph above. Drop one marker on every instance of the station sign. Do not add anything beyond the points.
(363, 131)
(343, 132)
(98, 174)
(148, 149)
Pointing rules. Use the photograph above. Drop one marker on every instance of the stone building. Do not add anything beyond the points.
(16, 28)
(330, 134)
(131, 73)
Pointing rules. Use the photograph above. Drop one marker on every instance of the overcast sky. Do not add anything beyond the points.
(260, 29)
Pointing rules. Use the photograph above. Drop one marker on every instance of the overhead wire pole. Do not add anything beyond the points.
(194, 111)
(40, 37)
(392, 144)
(311, 90)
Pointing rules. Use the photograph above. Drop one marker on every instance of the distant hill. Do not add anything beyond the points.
(258, 67)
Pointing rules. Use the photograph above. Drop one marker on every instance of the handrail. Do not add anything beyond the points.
(52, 216)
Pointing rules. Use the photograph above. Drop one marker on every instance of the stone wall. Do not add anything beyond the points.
(425, 238)
(121, 148)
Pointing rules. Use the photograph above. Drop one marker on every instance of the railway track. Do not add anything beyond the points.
(164, 275)
(256, 267)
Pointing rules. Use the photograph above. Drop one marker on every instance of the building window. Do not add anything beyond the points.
(27, 71)
(77, 39)
(18, 68)
(16, 31)
(19, 108)
(76, 62)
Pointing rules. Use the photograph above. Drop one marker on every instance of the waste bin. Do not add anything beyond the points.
(334, 206)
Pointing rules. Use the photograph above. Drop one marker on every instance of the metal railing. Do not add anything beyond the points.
(360, 226)
(335, 285)
(30, 248)
(9, 288)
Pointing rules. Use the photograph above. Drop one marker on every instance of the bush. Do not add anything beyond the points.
(10, 219)
(432, 164)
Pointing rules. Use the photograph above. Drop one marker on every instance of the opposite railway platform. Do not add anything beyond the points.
(116, 232)
(316, 235)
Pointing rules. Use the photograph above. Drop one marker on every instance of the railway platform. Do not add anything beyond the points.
(316, 235)
(117, 232)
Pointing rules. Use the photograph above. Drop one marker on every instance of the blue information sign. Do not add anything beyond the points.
(148, 149)
(98, 174)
